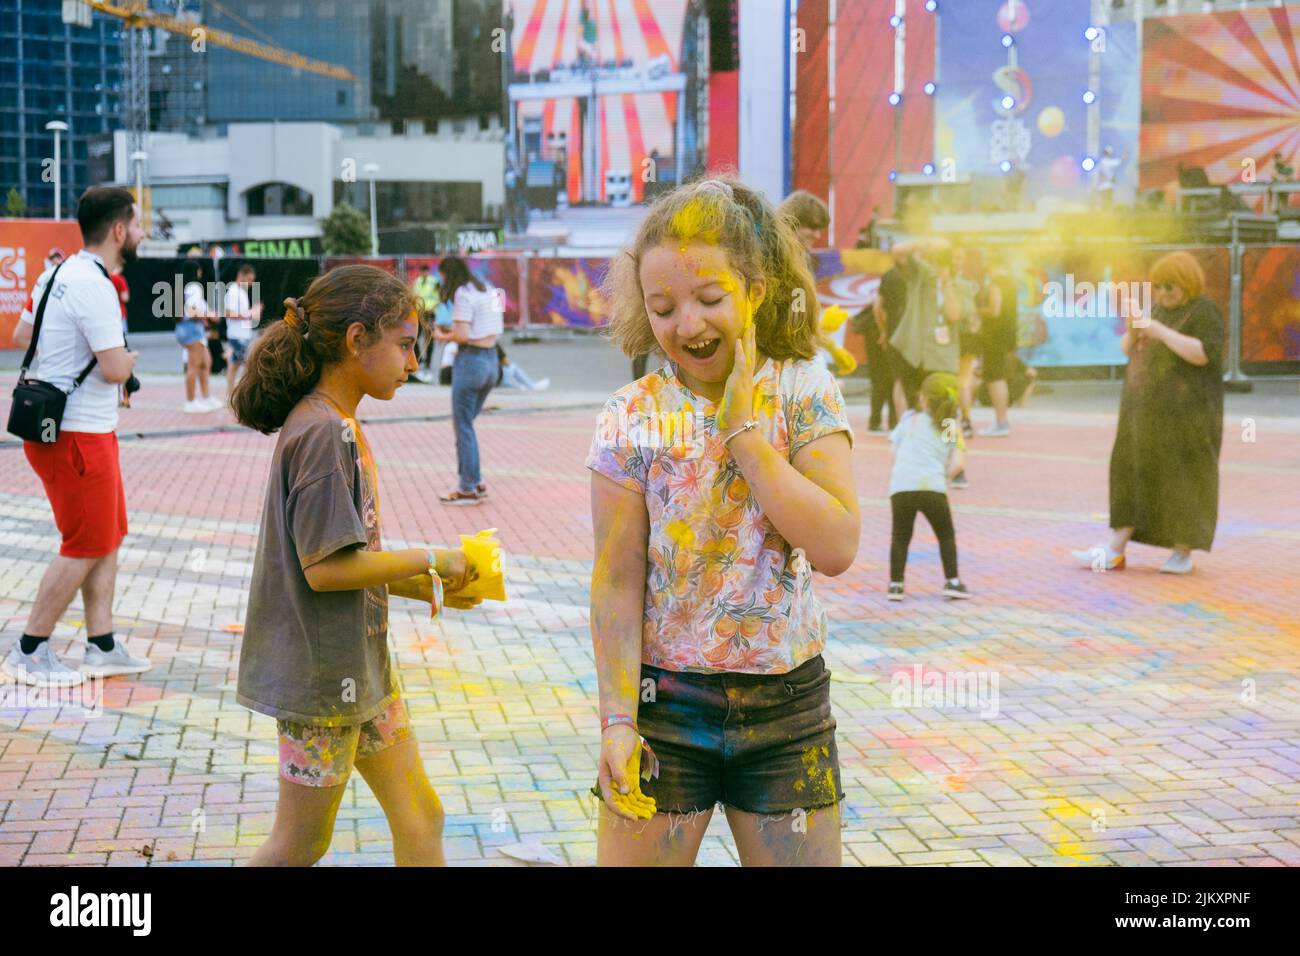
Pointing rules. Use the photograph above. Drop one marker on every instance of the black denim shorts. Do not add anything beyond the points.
(762, 743)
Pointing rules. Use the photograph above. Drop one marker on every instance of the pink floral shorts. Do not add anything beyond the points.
(325, 756)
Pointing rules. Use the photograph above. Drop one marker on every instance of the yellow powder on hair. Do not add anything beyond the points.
(695, 221)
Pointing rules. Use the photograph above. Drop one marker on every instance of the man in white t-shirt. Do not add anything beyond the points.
(81, 324)
(241, 315)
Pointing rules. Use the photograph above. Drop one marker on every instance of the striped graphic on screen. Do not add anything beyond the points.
(552, 35)
(1218, 89)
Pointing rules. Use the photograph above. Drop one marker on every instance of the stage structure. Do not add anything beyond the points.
(607, 100)
(1221, 99)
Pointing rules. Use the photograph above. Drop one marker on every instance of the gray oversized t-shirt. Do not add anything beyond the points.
(316, 657)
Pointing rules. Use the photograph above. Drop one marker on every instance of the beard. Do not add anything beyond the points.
(128, 253)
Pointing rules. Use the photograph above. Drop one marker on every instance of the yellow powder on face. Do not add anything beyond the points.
(724, 279)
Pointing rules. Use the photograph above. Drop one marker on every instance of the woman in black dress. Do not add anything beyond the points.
(1164, 468)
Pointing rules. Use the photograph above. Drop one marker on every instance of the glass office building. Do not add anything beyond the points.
(177, 77)
(246, 89)
(413, 60)
(53, 71)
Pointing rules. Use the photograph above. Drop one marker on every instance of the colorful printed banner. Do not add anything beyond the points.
(1219, 93)
(561, 51)
(1270, 304)
(25, 245)
(567, 292)
(501, 272)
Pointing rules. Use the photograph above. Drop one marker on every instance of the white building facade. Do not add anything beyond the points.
(280, 180)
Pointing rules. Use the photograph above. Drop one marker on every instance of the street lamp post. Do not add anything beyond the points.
(371, 169)
(138, 159)
(58, 127)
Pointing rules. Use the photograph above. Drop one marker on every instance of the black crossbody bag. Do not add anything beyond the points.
(37, 410)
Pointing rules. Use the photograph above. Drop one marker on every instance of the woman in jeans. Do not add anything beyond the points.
(476, 321)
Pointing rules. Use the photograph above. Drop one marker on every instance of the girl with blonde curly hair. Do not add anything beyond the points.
(719, 483)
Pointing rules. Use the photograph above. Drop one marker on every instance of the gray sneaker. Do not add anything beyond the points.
(41, 667)
(1180, 562)
(96, 663)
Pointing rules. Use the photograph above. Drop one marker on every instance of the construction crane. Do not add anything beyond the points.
(137, 17)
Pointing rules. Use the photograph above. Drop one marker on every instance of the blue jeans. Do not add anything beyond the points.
(515, 377)
(472, 377)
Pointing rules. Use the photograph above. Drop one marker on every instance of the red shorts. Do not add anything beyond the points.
(83, 481)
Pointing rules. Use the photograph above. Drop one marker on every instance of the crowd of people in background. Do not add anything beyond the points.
(942, 332)
(214, 336)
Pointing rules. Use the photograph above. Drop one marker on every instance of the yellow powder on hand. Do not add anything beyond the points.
(634, 801)
(484, 552)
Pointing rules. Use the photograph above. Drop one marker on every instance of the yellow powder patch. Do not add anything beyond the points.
(821, 778)
(634, 802)
(1065, 843)
(724, 279)
(680, 533)
(695, 221)
(833, 316)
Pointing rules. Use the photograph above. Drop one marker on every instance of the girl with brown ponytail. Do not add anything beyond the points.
(315, 648)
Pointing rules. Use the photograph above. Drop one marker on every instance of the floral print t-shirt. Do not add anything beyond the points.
(724, 590)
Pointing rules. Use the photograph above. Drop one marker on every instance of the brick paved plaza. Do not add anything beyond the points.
(1139, 718)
